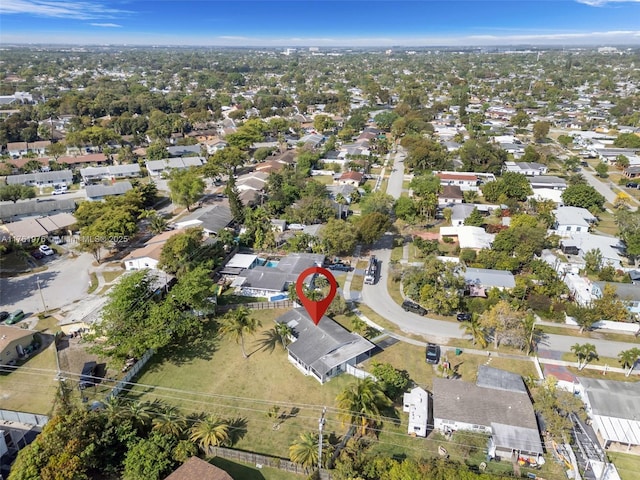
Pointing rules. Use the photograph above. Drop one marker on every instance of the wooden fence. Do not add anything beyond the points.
(130, 374)
(264, 461)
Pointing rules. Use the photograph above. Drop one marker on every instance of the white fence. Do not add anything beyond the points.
(609, 325)
(356, 372)
(130, 374)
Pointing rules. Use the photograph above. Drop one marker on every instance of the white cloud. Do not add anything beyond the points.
(106, 25)
(81, 10)
(601, 3)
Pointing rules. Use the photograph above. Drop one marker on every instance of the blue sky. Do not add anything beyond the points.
(321, 23)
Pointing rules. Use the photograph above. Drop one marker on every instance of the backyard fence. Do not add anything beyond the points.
(23, 417)
(356, 372)
(256, 305)
(130, 374)
(264, 461)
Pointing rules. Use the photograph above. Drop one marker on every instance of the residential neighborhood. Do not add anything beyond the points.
(158, 209)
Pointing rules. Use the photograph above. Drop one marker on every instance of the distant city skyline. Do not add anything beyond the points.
(321, 23)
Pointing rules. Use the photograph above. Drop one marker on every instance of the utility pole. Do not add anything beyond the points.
(321, 421)
(44, 306)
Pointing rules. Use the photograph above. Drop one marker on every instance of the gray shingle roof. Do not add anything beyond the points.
(99, 191)
(613, 399)
(217, 218)
(41, 177)
(36, 207)
(489, 278)
(469, 403)
(324, 346)
(489, 377)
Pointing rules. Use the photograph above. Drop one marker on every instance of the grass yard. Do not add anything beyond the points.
(93, 282)
(606, 224)
(357, 282)
(111, 275)
(628, 465)
(215, 377)
(245, 471)
(29, 389)
(396, 253)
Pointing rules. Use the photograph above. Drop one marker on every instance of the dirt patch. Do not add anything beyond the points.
(73, 354)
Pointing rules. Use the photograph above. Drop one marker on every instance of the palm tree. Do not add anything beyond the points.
(361, 401)
(284, 331)
(447, 214)
(170, 422)
(629, 358)
(236, 323)
(304, 451)
(585, 354)
(476, 331)
(278, 335)
(141, 414)
(211, 431)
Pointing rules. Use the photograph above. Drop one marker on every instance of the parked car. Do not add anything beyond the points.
(46, 249)
(463, 317)
(4, 316)
(58, 192)
(15, 317)
(632, 185)
(37, 254)
(341, 267)
(87, 375)
(433, 353)
(409, 306)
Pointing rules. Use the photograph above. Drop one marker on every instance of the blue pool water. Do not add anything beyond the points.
(271, 263)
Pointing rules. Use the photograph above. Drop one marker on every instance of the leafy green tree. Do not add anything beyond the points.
(362, 401)
(475, 218)
(602, 169)
(505, 325)
(384, 120)
(622, 161)
(149, 459)
(629, 225)
(16, 192)
(609, 306)
(235, 204)
(339, 237)
(372, 226)
(511, 185)
(157, 151)
(425, 184)
(593, 261)
(520, 119)
(378, 202)
(186, 187)
(627, 140)
(393, 381)
(405, 208)
(56, 150)
(182, 251)
(584, 196)
(194, 289)
(565, 140)
(585, 353)
(629, 358)
(238, 323)
(540, 130)
(476, 331)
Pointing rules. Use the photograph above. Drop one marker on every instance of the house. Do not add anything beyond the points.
(314, 140)
(196, 468)
(547, 181)
(626, 292)
(451, 194)
(324, 350)
(609, 155)
(10, 211)
(214, 146)
(158, 167)
(498, 405)
(460, 212)
(272, 280)
(182, 150)
(13, 343)
(32, 228)
(613, 408)
(610, 247)
(529, 169)
(42, 179)
(543, 194)
(351, 178)
(478, 280)
(99, 192)
(344, 190)
(111, 172)
(211, 219)
(17, 149)
(466, 181)
(148, 256)
(572, 220)
(39, 147)
(240, 262)
(416, 404)
(474, 238)
(79, 160)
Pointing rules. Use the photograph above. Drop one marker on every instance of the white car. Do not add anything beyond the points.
(47, 250)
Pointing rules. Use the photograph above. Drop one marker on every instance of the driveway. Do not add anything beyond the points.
(65, 281)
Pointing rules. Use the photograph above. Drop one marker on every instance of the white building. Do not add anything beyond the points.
(572, 220)
(416, 404)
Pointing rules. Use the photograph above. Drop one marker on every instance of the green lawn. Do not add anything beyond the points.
(93, 278)
(28, 389)
(215, 377)
(245, 471)
(626, 464)
(357, 283)
(110, 275)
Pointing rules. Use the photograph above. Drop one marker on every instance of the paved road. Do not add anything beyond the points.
(378, 299)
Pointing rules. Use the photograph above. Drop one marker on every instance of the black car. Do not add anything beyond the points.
(341, 267)
(4, 316)
(37, 254)
(463, 317)
(632, 185)
(433, 353)
(409, 306)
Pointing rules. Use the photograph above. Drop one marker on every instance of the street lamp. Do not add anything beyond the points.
(44, 306)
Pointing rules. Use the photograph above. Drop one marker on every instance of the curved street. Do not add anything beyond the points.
(378, 299)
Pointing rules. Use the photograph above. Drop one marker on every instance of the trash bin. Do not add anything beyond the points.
(458, 351)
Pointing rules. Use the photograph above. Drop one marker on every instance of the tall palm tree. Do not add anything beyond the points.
(476, 332)
(304, 451)
(585, 353)
(170, 422)
(285, 332)
(211, 431)
(629, 358)
(362, 401)
(236, 323)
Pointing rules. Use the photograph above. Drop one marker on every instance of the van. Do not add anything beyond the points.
(87, 374)
(15, 317)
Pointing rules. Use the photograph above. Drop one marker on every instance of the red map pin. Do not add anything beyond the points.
(316, 309)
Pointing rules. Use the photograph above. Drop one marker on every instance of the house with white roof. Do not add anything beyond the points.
(158, 167)
(478, 280)
(610, 247)
(416, 404)
(466, 181)
(148, 256)
(572, 220)
(474, 238)
(110, 172)
(530, 169)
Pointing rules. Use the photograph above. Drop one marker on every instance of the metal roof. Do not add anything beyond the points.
(516, 438)
(489, 278)
(36, 207)
(613, 399)
(495, 378)
(41, 177)
(99, 191)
